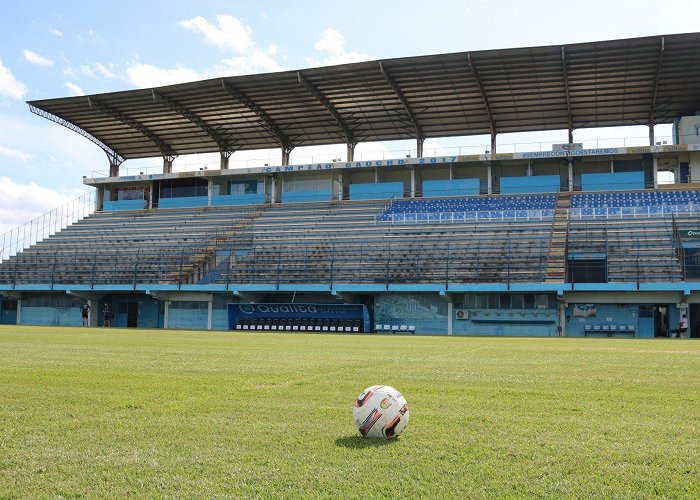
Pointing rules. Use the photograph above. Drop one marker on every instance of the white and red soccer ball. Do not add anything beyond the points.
(380, 412)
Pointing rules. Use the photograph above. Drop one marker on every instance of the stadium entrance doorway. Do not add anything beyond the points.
(694, 321)
(132, 314)
(661, 320)
(8, 312)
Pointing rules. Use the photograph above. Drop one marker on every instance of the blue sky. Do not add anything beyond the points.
(62, 48)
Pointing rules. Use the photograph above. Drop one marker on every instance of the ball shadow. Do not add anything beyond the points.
(359, 442)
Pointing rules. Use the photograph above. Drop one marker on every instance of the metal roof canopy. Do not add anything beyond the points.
(637, 81)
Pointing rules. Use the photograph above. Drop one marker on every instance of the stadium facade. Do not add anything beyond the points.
(577, 240)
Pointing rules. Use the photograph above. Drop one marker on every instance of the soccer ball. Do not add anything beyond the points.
(380, 412)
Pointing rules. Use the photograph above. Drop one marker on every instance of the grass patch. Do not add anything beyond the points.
(96, 412)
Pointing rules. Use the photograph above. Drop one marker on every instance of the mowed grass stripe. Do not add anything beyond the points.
(97, 412)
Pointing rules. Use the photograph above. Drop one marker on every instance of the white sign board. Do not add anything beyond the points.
(570, 146)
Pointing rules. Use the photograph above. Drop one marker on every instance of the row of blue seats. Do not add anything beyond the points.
(630, 210)
(468, 215)
(474, 204)
(638, 199)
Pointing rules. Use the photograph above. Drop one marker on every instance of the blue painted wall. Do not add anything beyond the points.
(455, 187)
(188, 319)
(237, 199)
(579, 315)
(379, 191)
(184, 201)
(427, 312)
(51, 316)
(612, 181)
(149, 311)
(219, 319)
(307, 196)
(530, 184)
(508, 322)
(112, 206)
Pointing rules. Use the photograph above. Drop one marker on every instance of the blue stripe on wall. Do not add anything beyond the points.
(111, 206)
(455, 187)
(530, 184)
(237, 199)
(378, 191)
(185, 201)
(612, 181)
(306, 196)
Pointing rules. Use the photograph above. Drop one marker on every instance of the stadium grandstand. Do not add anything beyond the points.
(572, 239)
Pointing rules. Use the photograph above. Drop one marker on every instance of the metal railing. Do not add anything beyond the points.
(46, 225)
(467, 216)
(583, 213)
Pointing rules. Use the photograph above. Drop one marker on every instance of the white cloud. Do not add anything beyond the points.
(55, 32)
(20, 203)
(147, 75)
(35, 58)
(86, 70)
(15, 153)
(228, 32)
(331, 41)
(102, 69)
(75, 90)
(9, 85)
(253, 63)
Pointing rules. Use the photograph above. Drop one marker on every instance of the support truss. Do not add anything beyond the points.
(169, 154)
(407, 106)
(268, 123)
(659, 61)
(480, 86)
(114, 157)
(342, 123)
(568, 96)
(225, 147)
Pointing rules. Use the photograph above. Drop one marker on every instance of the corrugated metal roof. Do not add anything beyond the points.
(599, 84)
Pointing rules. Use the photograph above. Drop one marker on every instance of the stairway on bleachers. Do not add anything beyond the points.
(556, 259)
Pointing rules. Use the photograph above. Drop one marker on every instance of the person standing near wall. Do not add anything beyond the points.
(683, 327)
(106, 313)
(85, 312)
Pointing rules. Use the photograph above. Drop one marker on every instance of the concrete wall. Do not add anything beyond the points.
(530, 184)
(379, 191)
(457, 187)
(612, 181)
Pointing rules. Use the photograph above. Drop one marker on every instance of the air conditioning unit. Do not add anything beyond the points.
(462, 314)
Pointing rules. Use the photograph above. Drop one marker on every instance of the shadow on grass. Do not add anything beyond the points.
(359, 442)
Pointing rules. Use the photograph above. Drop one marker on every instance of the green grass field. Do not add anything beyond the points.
(109, 413)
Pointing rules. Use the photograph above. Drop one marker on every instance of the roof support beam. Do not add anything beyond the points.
(169, 154)
(226, 148)
(482, 92)
(568, 97)
(115, 159)
(659, 60)
(420, 137)
(342, 123)
(268, 123)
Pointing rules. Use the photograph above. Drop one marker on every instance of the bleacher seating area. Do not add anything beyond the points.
(634, 203)
(470, 208)
(635, 250)
(352, 242)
